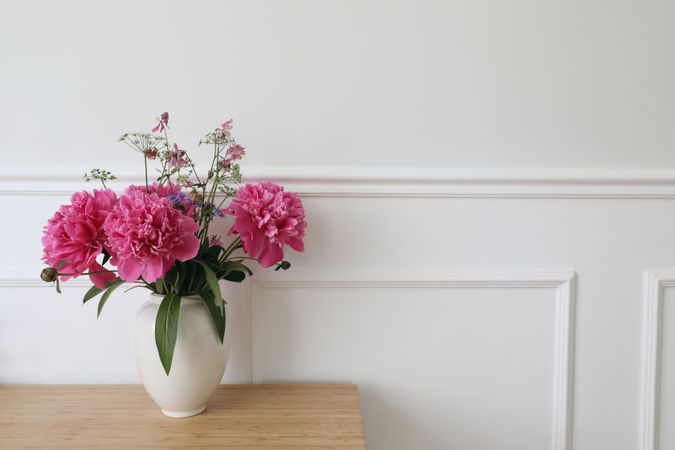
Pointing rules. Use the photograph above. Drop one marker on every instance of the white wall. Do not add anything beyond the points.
(486, 185)
(463, 83)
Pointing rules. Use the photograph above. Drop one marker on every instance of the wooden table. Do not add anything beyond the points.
(94, 417)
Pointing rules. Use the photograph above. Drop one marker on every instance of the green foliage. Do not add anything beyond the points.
(217, 315)
(91, 293)
(109, 290)
(166, 329)
(212, 282)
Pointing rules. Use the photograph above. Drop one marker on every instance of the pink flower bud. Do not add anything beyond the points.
(151, 154)
(49, 274)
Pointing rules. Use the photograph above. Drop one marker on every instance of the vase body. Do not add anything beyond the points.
(199, 358)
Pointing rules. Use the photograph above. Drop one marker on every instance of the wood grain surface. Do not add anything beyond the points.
(93, 417)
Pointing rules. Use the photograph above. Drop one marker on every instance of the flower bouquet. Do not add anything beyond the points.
(156, 236)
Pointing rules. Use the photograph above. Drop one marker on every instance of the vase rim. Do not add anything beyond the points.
(157, 298)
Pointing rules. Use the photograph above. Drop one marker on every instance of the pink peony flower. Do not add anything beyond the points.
(146, 235)
(75, 234)
(163, 123)
(176, 158)
(234, 153)
(266, 219)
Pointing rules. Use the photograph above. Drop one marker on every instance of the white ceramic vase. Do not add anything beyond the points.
(199, 358)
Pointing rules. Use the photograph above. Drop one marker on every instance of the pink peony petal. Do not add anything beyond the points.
(271, 255)
(130, 269)
(296, 244)
(154, 268)
(187, 249)
(100, 279)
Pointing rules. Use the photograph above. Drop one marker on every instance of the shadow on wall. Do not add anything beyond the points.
(390, 425)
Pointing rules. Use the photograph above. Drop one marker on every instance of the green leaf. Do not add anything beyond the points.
(106, 257)
(235, 276)
(91, 293)
(166, 329)
(110, 289)
(159, 285)
(191, 278)
(211, 253)
(61, 264)
(212, 281)
(176, 281)
(234, 265)
(180, 277)
(135, 287)
(216, 314)
(233, 271)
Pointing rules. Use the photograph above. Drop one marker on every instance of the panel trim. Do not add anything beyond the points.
(563, 282)
(654, 283)
(30, 278)
(325, 181)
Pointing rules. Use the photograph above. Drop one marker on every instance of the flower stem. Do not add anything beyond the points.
(85, 273)
(145, 162)
(236, 244)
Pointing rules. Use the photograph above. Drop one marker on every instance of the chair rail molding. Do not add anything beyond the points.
(654, 283)
(325, 181)
(563, 283)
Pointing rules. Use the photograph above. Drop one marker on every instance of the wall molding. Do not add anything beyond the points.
(563, 283)
(326, 181)
(655, 281)
(30, 278)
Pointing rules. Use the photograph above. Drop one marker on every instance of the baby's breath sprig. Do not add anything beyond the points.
(101, 175)
(218, 137)
(143, 142)
(147, 144)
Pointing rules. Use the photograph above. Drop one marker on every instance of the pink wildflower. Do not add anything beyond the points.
(234, 153)
(163, 123)
(177, 157)
(266, 219)
(146, 235)
(151, 154)
(75, 234)
(222, 133)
